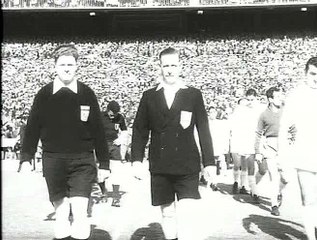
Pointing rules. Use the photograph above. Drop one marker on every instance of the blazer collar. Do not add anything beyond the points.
(58, 84)
(176, 87)
(167, 114)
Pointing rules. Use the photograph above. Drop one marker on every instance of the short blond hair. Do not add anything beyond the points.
(167, 51)
(65, 50)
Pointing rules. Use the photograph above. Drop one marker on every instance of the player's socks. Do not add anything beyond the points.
(116, 196)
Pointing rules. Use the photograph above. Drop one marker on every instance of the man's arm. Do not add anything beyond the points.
(101, 147)
(123, 134)
(286, 123)
(123, 138)
(258, 135)
(140, 134)
(32, 132)
(203, 130)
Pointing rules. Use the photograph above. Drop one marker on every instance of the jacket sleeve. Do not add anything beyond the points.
(32, 132)
(101, 147)
(140, 134)
(203, 130)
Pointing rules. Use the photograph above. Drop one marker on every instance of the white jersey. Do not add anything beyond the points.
(243, 124)
(220, 134)
(301, 112)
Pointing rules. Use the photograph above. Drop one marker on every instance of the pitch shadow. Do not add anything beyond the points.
(154, 231)
(99, 234)
(275, 227)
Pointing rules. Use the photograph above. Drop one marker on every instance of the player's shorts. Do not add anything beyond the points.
(69, 176)
(114, 151)
(270, 147)
(263, 166)
(308, 187)
(165, 186)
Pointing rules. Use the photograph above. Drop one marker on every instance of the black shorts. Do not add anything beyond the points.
(114, 151)
(165, 186)
(69, 177)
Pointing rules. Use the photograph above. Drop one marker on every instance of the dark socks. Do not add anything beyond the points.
(116, 190)
(218, 167)
(116, 196)
(102, 187)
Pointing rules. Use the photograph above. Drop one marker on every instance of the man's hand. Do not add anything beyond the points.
(137, 170)
(210, 173)
(103, 174)
(284, 176)
(25, 166)
(259, 157)
(117, 142)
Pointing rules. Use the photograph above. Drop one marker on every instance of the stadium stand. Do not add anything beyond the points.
(223, 53)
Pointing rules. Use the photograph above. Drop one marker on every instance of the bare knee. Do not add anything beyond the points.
(168, 210)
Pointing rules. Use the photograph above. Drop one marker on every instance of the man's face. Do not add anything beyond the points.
(252, 101)
(170, 67)
(244, 102)
(277, 99)
(311, 76)
(66, 67)
(111, 114)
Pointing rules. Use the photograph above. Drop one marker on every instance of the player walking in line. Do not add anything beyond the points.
(268, 126)
(116, 136)
(239, 168)
(300, 113)
(246, 126)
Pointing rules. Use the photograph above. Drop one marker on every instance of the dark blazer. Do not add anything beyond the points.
(173, 149)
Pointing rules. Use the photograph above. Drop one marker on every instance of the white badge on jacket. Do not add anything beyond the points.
(186, 118)
(84, 112)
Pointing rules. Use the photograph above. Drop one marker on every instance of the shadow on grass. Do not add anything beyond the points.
(226, 189)
(153, 231)
(50, 217)
(275, 227)
(99, 234)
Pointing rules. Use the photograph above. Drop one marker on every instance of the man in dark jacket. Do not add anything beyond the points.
(66, 117)
(116, 137)
(170, 113)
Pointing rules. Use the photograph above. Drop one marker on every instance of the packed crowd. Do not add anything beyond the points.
(136, 3)
(121, 69)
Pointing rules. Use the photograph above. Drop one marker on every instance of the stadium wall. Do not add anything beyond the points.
(108, 22)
